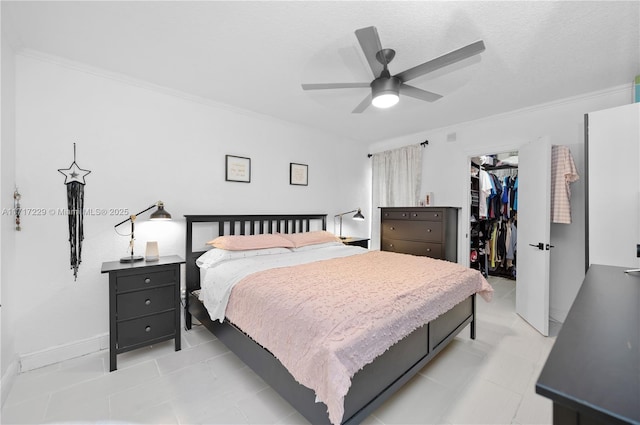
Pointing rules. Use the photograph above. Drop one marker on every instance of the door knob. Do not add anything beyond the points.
(539, 245)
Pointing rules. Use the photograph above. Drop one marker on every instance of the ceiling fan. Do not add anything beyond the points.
(386, 88)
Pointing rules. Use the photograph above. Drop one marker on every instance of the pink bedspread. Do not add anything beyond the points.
(324, 321)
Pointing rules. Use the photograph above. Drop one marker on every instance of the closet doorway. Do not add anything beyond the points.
(530, 216)
(494, 214)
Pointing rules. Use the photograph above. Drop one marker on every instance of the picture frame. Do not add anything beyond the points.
(237, 169)
(298, 174)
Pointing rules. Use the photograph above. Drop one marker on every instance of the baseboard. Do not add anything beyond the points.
(63, 352)
(558, 315)
(7, 380)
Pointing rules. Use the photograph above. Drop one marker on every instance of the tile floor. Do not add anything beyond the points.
(487, 381)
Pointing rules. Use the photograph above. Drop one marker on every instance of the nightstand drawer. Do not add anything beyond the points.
(147, 279)
(136, 331)
(149, 301)
(428, 231)
(425, 249)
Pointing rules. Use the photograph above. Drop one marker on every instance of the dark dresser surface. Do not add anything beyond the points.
(144, 304)
(426, 231)
(593, 371)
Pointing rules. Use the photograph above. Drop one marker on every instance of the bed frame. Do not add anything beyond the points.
(373, 384)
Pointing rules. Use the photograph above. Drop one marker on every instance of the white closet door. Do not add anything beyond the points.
(614, 186)
(534, 230)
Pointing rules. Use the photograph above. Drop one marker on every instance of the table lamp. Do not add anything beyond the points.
(357, 216)
(159, 214)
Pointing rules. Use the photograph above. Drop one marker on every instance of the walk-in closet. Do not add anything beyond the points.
(493, 214)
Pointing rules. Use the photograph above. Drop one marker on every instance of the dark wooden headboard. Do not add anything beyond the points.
(243, 225)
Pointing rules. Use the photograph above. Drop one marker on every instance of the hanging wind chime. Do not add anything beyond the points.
(74, 180)
(16, 207)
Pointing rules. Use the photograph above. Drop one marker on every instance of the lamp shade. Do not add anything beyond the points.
(358, 215)
(160, 213)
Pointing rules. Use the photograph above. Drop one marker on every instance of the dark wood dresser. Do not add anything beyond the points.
(144, 304)
(593, 371)
(427, 231)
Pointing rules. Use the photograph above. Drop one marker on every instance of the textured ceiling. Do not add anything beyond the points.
(255, 55)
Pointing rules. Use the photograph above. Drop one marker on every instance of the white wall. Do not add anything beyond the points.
(144, 144)
(446, 173)
(7, 223)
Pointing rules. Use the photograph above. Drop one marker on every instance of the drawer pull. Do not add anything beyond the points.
(436, 215)
(404, 214)
(392, 228)
(390, 245)
(415, 215)
(428, 230)
(147, 302)
(147, 280)
(428, 249)
(147, 329)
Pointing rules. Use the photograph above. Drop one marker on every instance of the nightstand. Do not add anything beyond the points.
(363, 242)
(144, 304)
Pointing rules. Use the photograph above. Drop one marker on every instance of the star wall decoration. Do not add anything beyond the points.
(74, 173)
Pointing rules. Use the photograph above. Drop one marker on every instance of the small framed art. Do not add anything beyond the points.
(237, 169)
(298, 174)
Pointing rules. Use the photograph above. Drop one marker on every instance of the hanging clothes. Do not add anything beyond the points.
(514, 206)
(492, 245)
(563, 173)
(513, 241)
(485, 192)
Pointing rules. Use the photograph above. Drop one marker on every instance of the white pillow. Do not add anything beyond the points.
(316, 246)
(217, 255)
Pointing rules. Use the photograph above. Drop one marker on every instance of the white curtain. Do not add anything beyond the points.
(397, 175)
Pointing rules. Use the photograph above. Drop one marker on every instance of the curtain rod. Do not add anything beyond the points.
(423, 144)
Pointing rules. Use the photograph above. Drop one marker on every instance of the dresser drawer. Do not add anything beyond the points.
(144, 280)
(428, 231)
(396, 215)
(143, 329)
(431, 215)
(148, 301)
(425, 249)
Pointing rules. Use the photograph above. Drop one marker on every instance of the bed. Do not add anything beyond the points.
(370, 385)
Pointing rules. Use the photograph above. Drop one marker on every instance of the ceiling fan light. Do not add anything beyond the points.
(385, 100)
(385, 92)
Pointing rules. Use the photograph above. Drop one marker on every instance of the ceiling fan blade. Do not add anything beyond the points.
(370, 44)
(442, 61)
(324, 86)
(417, 93)
(362, 105)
